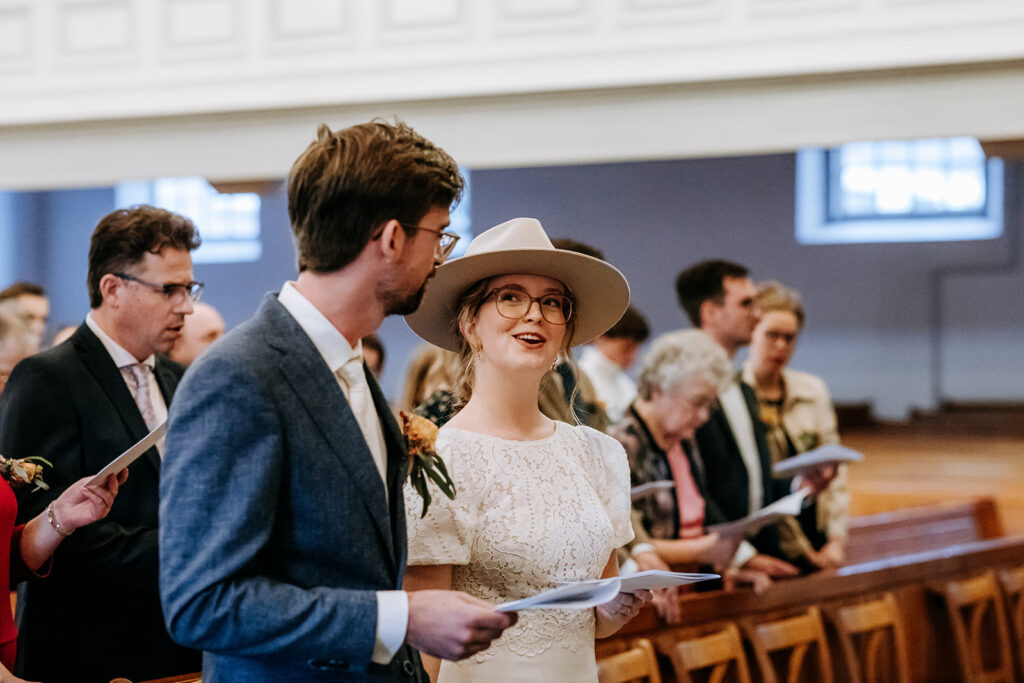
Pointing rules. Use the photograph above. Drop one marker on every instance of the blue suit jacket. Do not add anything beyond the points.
(275, 531)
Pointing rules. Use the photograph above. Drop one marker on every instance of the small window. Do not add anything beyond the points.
(228, 223)
(898, 191)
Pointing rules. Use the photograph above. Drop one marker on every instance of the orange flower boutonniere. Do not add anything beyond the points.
(424, 462)
(21, 471)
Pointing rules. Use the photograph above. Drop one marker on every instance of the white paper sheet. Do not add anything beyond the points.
(579, 595)
(587, 594)
(653, 579)
(751, 524)
(129, 456)
(638, 492)
(829, 453)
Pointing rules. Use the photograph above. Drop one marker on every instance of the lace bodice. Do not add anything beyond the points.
(526, 514)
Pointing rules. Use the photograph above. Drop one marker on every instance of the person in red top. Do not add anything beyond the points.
(32, 544)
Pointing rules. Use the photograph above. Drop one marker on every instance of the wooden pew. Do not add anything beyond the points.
(907, 576)
(917, 529)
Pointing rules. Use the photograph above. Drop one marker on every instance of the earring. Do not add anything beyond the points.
(554, 364)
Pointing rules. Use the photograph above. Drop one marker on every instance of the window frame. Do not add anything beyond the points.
(814, 225)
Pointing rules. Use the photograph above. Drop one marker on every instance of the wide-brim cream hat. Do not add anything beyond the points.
(521, 246)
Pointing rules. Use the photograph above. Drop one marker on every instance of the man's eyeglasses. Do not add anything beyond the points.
(513, 303)
(444, 247)
(171, 291)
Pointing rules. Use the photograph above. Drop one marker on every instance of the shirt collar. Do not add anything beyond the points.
(602, 362)
(328, 340)
(121, 356)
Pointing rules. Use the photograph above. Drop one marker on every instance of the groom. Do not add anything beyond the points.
(282, 522)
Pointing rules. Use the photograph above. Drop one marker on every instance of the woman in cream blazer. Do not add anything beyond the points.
(797, 410)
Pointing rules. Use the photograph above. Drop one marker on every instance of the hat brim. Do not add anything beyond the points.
(600, 290)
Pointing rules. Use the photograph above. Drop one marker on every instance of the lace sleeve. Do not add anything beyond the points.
(445, 534)
(611, 481)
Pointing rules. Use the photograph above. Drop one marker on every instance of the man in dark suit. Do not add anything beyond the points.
(282, 520)
(718, 297)
(97, 616)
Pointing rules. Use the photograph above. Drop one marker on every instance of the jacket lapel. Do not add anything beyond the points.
(396, 468)
(101, 366)
(317, 388)
(761, 439)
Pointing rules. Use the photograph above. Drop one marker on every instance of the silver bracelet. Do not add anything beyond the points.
(52, 518)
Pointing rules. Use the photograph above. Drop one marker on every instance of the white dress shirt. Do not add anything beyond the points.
(738, 416)
(392, 606)
(123, 359)
(614, 388)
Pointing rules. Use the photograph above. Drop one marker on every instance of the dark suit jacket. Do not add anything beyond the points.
(275, 530)
(97, 616)
(727, 482)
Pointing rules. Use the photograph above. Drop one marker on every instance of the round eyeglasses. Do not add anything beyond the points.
(513, 303)
(444, 246)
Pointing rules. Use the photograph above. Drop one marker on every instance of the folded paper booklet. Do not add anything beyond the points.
(824, 455)
(129, 456)
(751, 524)
(587, 594)
(638, 492)
(653, 579)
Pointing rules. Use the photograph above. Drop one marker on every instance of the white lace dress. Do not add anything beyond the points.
(526, 514)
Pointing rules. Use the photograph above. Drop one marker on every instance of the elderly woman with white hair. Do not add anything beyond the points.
(680, 380)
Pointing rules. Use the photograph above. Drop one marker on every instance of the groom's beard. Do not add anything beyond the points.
(399, 303)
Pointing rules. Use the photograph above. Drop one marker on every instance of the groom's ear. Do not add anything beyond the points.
(391, 242)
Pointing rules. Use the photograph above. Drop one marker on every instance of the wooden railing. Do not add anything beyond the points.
(949, 543)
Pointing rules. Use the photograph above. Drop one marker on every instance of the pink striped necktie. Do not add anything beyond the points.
(139, 384)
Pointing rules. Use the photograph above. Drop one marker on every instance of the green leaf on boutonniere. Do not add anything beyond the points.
(809, 440)
(424, 462)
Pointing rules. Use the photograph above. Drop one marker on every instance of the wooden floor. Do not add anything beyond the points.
(908, 467)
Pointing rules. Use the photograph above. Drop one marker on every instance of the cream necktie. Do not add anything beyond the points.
(361, 403)
(139, 374)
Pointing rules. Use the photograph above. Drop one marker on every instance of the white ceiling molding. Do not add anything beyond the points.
(624, 124)
(79, 60)
(95, 91)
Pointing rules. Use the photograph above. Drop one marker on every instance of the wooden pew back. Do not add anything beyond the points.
(926, 623)
(902, 532)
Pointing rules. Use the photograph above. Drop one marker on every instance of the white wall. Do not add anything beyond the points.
(96, 91)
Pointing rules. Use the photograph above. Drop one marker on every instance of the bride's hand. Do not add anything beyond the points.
(613, 614)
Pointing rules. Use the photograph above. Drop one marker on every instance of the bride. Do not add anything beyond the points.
(537, 501)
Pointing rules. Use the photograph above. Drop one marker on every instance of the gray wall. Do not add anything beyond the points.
(899, 325)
